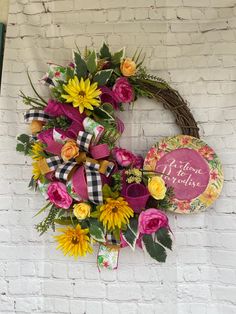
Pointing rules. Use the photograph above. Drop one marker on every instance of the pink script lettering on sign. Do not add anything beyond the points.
(186, 171)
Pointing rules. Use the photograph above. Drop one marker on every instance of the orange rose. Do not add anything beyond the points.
(128, 67)
(36, 126)
(69, 150)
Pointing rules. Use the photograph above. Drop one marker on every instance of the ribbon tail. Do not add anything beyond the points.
(94, 185)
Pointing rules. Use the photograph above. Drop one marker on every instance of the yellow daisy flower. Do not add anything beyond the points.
(74, 241)
(115, 213)
(82, 94)
(36, 150)
(36, 170)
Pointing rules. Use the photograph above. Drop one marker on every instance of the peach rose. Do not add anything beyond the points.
(36, 126)
(69, 150)
(128, 67)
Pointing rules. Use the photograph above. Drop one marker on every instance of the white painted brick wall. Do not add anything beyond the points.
(193, 45)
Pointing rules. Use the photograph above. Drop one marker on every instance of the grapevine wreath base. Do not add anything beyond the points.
(94, 190)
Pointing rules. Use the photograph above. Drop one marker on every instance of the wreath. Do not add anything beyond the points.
(94, 190)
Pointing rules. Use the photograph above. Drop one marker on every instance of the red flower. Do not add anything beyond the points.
(185, 140)
(163, 146)
(184, 205)
(214, 174)
(206, 152)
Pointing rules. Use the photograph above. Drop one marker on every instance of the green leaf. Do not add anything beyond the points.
(96, 230)
(43, 209)
(155, 250)
(63, 221)
(133, 224)
(118, 56)
(116, 234)
(23, 138)
(92, 62)
(94, 214)
(70, 72)
(80, 66)
(105, 52)
(20, 147)
(101, 77)
(130, 237)
(104, 112)
(163, 236)
(108, 193)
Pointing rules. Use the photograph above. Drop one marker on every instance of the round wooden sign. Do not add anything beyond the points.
(191, 168)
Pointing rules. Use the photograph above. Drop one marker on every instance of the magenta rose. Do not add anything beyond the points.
(58, 195)
(123, 91)
(123, 157)
(108, 96)
(152, 220)
(138, 162)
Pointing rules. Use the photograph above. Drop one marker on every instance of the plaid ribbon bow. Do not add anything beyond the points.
(64, 169)
(36, 114)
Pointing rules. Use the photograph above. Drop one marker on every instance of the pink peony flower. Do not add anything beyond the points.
(152, 220)
(58, 195)
(123, 157)
(123, 91)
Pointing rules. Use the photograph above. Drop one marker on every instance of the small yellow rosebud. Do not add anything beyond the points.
(81, 210)
(157, 188)
(128, 67)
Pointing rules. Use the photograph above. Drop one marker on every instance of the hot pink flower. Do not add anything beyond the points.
(123, 157)
(152, 220)
(138, 162)
(123, 91)
(58, 195)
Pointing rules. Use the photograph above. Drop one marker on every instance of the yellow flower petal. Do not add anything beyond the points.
(81, 93)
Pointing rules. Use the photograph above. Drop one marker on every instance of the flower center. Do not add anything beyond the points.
(115, 209)
(82, 93)
(75, 240)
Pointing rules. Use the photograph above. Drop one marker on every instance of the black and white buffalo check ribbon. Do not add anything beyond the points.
(63, 170)
(53, 162)
(111, 240)
(36, 114)
(84, 140)
(94, 182)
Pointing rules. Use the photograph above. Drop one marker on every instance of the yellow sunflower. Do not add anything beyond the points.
(82, 94)
(36, 171)
(37, 150)
(115, 213)
(74, 241)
